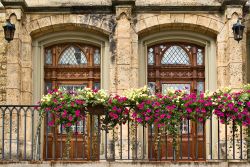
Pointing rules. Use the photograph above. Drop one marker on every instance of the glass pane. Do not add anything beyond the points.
(48, 57)
(72, 87)
(76, 128)
(150, 56)
(97, 57)
(166, 87)
(199, 57)
(48, 86)
(185, 126)
(96, 85)
(73, 55)
(200, 127)
(200, 87)
(151, 86)
(175, 55)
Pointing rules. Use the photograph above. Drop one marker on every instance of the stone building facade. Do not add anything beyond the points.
(123, 30)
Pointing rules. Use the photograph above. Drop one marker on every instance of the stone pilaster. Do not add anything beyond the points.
(231, 54)
(123, 69)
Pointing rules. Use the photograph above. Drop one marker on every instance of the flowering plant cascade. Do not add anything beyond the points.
(67, 108)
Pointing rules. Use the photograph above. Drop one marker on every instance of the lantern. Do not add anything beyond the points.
(9, 31)
(238, 30)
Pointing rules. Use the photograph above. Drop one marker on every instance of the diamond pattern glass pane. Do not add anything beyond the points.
(175, 55)
(97, 57)
(150, 56)
(48, 57)
(73, 56)
(72, 87)
(199, 57)
(200, 87)
(151, 86)
(166, 87)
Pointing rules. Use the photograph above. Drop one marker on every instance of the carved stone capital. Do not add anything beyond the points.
(122, 11)
(230, 11)
(16, 7)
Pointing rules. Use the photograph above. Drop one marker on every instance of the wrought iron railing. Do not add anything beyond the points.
(22, 140)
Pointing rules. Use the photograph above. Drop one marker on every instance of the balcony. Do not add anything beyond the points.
(21, 140)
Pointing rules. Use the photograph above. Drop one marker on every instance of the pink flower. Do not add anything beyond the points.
(77, 113)
(189, 110)
(134, 115)
(231, 105)
(147, 118)
(51, 123)
(162, 116)
(200, 119)
(139, 120)
(248, 104)
(69, 124)
(70, 118)
(168, 116)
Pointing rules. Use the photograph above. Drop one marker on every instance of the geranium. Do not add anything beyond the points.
(118, 112)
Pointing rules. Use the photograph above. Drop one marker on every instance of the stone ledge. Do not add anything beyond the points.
(125, 163)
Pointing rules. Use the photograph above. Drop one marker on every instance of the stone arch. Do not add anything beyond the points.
(191, 22)
(92, 22)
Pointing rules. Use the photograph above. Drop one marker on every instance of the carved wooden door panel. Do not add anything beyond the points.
(177, 66)
(72, 66)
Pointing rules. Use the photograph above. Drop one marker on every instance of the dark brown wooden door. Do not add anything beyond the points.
(177, 66)
(72, 66)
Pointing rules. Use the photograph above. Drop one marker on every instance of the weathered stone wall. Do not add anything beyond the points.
(3, 62)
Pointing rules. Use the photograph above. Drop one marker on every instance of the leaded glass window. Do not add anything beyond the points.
(48, 87)
(167, 87)
(186, 124)
(200, 87)
(72, 56)
(79, 128)
(199, 57)
(97, 86)
(97, 57)
(48, 56)
(151, 56)
(175, 55)
(72, 87)
(151, 86)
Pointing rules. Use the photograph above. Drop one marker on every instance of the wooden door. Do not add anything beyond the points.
(72, 66)
(177, 66)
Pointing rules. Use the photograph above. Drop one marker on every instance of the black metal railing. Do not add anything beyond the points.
(22, 140)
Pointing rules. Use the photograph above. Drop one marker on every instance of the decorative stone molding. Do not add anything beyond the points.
(233, 2)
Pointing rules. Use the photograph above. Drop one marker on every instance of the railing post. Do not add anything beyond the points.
(248, 143)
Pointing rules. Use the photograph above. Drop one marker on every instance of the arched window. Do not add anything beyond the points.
(73, 55)
(72, 66)
(175, 55)
(177, 66)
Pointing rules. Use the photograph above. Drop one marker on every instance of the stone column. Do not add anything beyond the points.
(18, 88)
(124, 66)
(231, 59)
